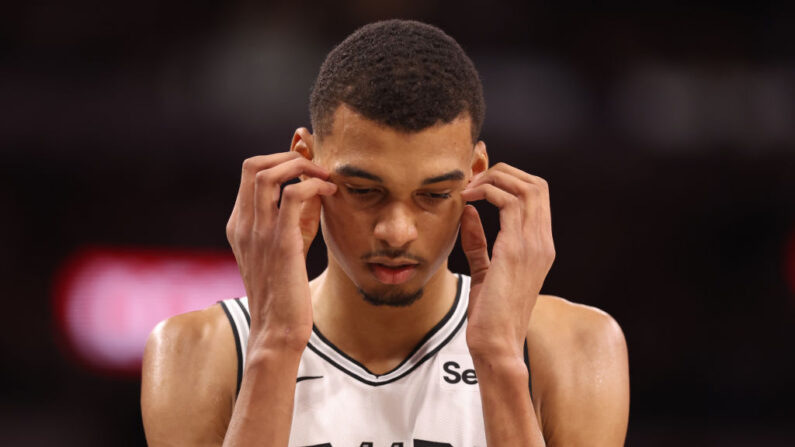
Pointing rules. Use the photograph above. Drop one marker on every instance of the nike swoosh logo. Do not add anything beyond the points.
(307, 378)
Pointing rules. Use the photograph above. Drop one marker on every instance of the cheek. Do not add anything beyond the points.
(451, 233)
(338, 223)
(328, 217)
(443, 229)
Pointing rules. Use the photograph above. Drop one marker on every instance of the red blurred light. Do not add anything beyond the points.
(107, 300)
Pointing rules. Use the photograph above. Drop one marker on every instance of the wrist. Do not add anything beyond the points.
(260, 357)
(493, 345)
(279, 342)
(502, 367)
(508, 408)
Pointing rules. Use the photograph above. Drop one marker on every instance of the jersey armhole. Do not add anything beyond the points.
(238, 348)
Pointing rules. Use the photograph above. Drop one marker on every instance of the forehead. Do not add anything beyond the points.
(392, 154)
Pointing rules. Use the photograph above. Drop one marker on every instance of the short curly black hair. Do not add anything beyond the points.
(403, 73)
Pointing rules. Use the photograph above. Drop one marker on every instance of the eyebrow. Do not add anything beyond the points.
(353, 171)
(455, 174)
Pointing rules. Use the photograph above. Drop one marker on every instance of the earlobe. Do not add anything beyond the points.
(303, 143)
(480, 158)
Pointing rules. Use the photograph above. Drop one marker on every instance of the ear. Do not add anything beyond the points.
(480, 158)
(303, 143)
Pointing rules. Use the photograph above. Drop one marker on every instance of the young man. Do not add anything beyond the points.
(387, 347)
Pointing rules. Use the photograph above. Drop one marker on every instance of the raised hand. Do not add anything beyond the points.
(270, 241)
(505, 288)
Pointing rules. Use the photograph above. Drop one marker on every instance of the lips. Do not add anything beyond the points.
(393, 274)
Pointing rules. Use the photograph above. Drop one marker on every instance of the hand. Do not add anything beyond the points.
(504, 289)
(270, 242)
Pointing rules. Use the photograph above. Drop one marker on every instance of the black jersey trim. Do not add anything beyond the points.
(408, 371)
(302, 378)
(245, 311)
(527, 363)
(419, 345)
(439, 325)
(419, 362)
(237, 346)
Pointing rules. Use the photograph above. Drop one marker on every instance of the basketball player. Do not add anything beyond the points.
(387, 347)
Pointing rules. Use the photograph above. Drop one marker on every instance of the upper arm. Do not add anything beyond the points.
(585, 401)
(188, 379)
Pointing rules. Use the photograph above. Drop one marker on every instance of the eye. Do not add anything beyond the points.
(435, 196)
(360, 191)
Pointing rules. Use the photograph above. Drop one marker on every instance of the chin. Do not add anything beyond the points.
(396, 297)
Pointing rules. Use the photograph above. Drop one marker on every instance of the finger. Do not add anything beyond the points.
(242, 213)
(474, 244)
(518, 173)
(538, 215)
(505, 181)
(291, 169)
(253, 165)
(535, 192)
(308, 220)
(268, 183)
(539, 189)
(508, 204)
(293, 196)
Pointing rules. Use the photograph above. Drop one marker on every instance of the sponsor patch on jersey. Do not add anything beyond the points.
(456, 373)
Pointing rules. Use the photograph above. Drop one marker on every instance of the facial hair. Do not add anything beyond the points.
(394, 299)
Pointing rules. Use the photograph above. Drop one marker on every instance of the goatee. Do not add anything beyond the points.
(394, 299)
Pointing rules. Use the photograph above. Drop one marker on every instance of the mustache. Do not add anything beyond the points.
(392, 254)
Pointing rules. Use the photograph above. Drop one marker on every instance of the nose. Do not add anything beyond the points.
(396, 225)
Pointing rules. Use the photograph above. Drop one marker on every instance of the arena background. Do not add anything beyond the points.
(666, 131)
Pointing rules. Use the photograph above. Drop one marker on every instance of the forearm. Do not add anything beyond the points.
(264, 409)
(507, 406)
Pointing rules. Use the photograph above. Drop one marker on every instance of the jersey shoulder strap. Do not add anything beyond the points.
(236, 310)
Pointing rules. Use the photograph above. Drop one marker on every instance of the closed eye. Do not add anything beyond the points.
(437, 195)
(360, 191)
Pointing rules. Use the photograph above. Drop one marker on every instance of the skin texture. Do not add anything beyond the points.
(578, 353)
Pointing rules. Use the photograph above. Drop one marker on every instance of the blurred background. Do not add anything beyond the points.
(666, 132)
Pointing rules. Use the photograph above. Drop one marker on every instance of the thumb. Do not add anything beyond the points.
(308, 220)
(473, 242)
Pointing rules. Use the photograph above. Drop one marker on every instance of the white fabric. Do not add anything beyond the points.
(431, 399)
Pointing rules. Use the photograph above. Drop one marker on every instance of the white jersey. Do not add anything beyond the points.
(431, 399)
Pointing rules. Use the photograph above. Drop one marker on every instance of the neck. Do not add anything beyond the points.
(379, 337)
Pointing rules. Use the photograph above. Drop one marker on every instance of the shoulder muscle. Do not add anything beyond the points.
(583, 374)
(188, 379)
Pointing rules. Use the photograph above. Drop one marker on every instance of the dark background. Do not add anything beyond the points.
(666, 133)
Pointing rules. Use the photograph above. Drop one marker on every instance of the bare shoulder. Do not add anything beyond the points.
(585, 329)
(189, 379)
(580, 373)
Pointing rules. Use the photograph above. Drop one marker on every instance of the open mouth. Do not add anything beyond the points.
(392, 274)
